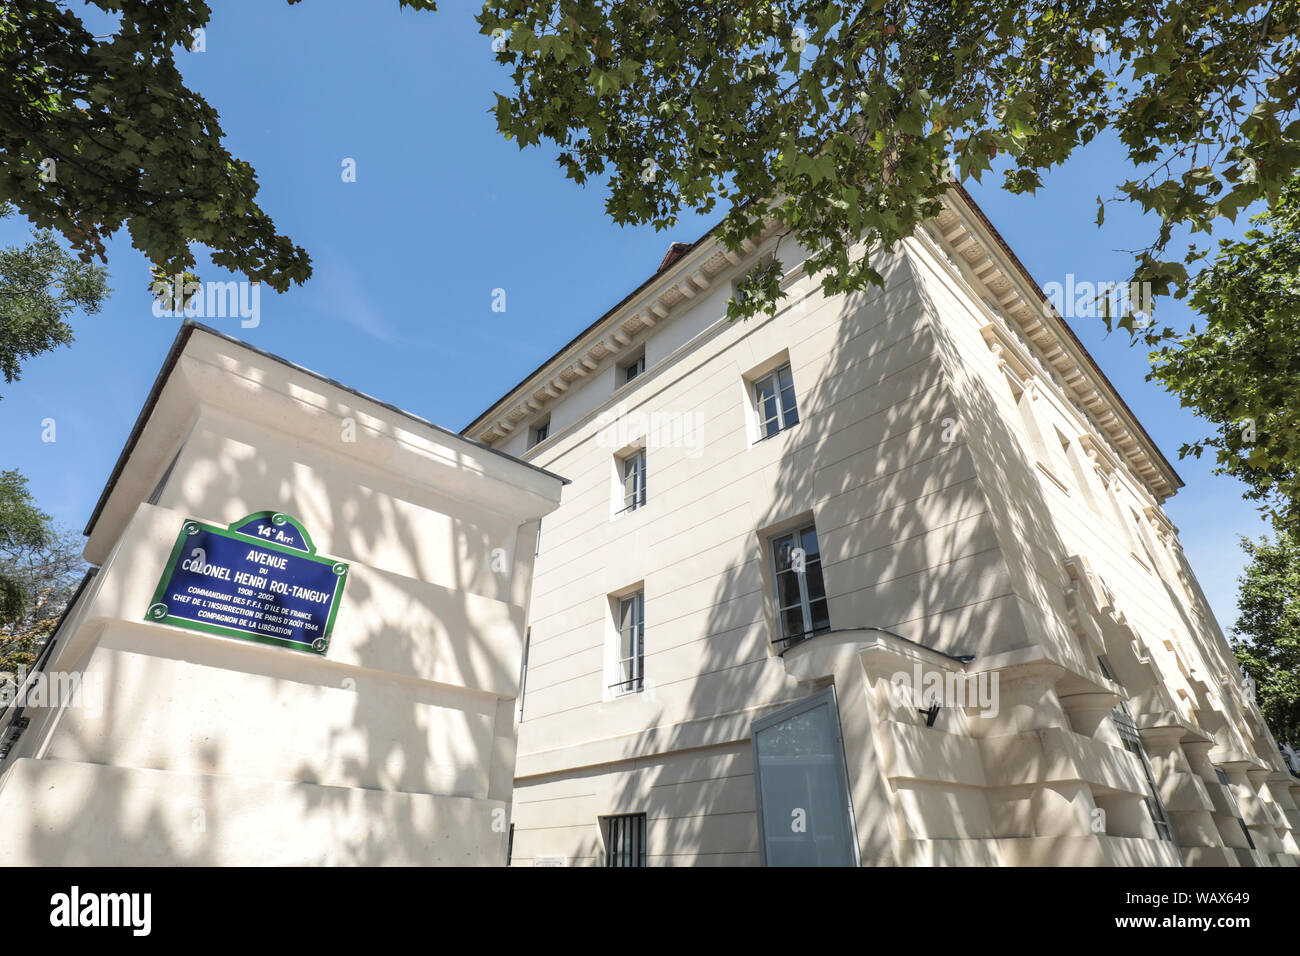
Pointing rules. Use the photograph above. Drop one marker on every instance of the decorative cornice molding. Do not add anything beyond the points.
(686, 279)
(1035, 336)
(1026, 313)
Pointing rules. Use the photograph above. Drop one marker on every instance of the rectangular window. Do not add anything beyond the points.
(1025, 396)
(774, 399)
(800, 590)
(633, 468)
(510, 844)
(1128, 733)
(539, 432)
(1232, 803)
(1080, 467)
(632, 369)
(624, 839)
(523, 670)
(1132, 741)
(631, 644)
(1143, 542)
(162, 482)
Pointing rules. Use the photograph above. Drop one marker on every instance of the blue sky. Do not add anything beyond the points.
(442, 212)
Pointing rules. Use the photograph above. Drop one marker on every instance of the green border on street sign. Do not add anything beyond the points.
(158, 612)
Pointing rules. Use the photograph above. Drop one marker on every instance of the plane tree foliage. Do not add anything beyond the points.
(1266, 639)
(844, 122)
(1238, 367)
(99, 131)
(41, 285)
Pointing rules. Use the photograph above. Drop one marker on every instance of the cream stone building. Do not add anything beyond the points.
(882, 579)
(141, 741)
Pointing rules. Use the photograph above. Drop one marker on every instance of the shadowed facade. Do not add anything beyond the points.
(926, 497)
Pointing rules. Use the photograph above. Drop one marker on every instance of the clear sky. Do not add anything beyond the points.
(443, 211)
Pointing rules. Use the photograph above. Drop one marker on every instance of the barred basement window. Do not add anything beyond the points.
(631, 644)
(1232, 802)
(775, 401)
(800, 590)
(624, 839)
(1132, 741)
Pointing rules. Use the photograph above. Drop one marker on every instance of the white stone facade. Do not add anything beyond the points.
(397, 746)
(978, 491)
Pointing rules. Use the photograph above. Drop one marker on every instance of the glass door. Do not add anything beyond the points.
(805, 817)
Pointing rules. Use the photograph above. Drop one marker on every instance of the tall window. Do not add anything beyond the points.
(539, 432)
(1025, 395)
(1113, 489)
(162, 482)
(800, 591)
(1080, 469)
(632, 369)
(523, 670)
(1232, 805)
(774, 399)
(624, 839)
(1141, 536)
(631, 644)
(633, 481)
(1132, 741)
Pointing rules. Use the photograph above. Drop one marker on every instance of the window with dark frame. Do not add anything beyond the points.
(633, 468)
(539, 432)
(1132, 741)
(774, 399)
(156, 496)
(1236, 809)
(624, 839)
(631, 644)
(801, 607)
(632, 369)
(523, 670)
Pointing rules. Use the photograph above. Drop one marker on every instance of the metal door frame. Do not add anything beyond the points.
(811, 702)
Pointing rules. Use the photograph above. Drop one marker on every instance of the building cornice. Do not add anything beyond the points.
(687, 277)
(964, 228)
(1025, 309)
(207, 371)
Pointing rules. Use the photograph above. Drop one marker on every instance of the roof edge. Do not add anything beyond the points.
(1025, 274)
(1131, 420)
(665, 265)
(169, 364)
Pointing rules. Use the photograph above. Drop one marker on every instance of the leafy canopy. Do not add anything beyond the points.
(49, 573)
(40, 286)
(1241, 370)
(844, 121)
(1267, 634)
(101, 131)
(22, 526)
